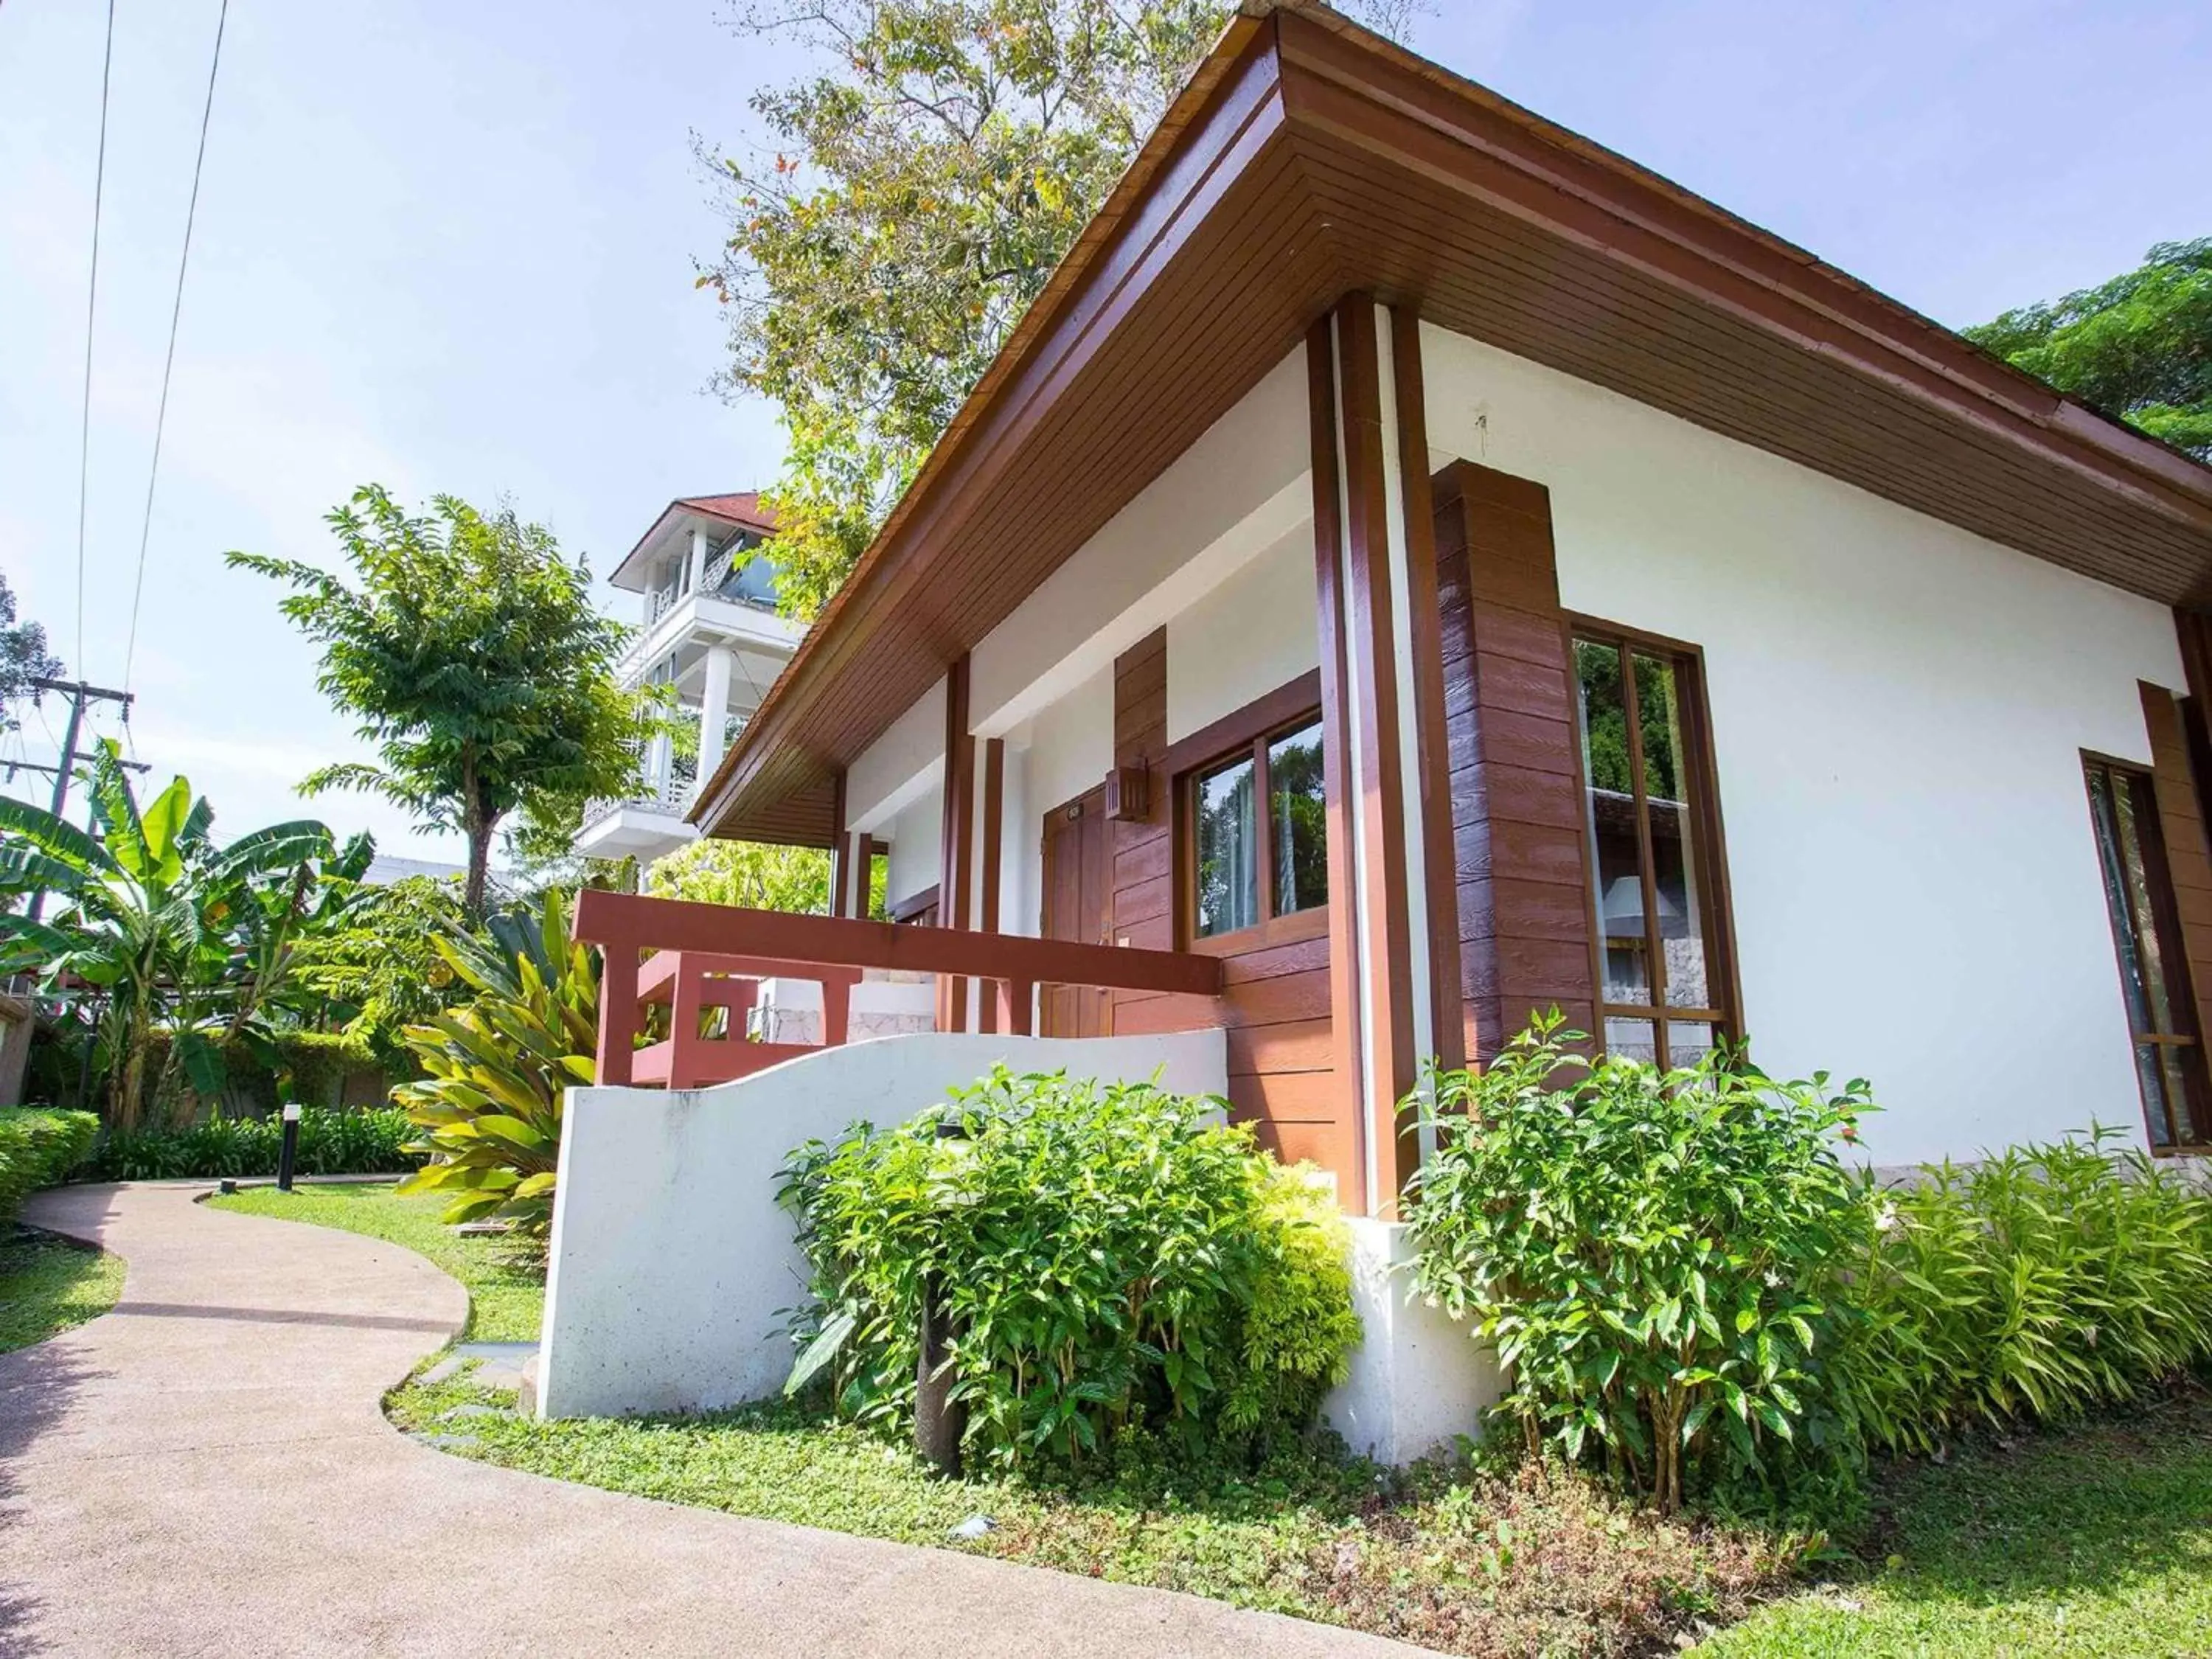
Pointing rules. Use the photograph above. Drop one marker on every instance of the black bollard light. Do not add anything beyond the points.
(940, 1422)
(290, 1146)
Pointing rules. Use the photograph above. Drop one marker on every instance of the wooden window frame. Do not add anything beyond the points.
(1702, 770)
(1245, 733)
(2172, 956)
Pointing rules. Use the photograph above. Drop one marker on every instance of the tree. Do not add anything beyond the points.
(2138, 347)
(381, 970)
(759, 876)
(176, 934)
(23, 657)
(474, 660)
(919, 194)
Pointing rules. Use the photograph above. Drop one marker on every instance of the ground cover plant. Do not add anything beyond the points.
(48, 1285)
(1653, 1255)
(1108, 1258)
(2039, 1282)
(373, 1142)
(39, 1147)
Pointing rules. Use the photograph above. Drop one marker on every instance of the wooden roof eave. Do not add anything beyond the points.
(1296, 80)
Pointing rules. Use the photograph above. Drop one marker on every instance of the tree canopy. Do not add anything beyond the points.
(2138, 347)
(474, 660)
(23, 657)
(914, 197)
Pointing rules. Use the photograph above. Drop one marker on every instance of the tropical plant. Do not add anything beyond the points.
(381, 970)
(39, 1148)
(165, 930)
(1111, 1257)
(2038, 1282)
(499, 1068)
(712, 871)
(2138, 347)
(1650, 1253)
(373, 1142)
(23, 657)
(914, 196)
(475, 661)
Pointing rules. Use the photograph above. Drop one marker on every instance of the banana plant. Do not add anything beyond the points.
(173, 933)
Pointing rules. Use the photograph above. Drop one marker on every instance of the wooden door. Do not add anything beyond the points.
(1077, 894)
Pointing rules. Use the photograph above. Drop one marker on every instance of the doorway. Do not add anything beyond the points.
(1078, 892)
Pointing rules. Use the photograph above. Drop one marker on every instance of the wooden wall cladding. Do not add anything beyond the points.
(1515, 760)
(2188, 846)
(1275, 1000)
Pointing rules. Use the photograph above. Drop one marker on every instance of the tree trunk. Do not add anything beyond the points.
(472, 894)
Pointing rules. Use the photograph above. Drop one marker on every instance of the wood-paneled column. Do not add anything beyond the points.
(1382, 688)
(954, 881)
(1520, 858)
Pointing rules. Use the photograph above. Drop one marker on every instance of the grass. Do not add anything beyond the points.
(1463, 1562)
(47, 1285)
(507, 1297)
(2093, 1542)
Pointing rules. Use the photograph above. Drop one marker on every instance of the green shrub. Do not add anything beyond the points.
(39, 1148)
(1650, 1253)
(1111, 1258)
(489, 1110)
(2036, 1283)
(330, 1143)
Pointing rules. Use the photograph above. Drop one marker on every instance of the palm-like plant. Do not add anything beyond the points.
(500, 1068)
(171, 931)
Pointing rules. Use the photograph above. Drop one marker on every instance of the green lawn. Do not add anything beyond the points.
(47, 1285)
(507, 1299)
(2093, 1542)
(2096, 1542)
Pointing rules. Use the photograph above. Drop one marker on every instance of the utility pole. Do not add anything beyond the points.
(79, 694)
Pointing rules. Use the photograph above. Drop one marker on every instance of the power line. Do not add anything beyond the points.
(91, 305)
(169, 362)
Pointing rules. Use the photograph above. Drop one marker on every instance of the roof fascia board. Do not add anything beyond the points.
(1354, 88)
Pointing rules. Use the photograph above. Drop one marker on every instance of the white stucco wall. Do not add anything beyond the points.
(1899, 709)
(1257, 630)
(1063, 752)
(916, 834)
(670, 1262)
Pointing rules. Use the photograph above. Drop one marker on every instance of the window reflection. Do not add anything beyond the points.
(1297, 815)
(1228, 850)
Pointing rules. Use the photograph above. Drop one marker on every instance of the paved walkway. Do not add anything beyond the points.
(206, 1470)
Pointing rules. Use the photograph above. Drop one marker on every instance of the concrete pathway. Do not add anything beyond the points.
(206, 1470)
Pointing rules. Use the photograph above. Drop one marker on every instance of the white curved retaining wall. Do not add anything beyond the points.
(671, 1263)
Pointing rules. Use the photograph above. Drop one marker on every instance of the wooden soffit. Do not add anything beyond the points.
(1308, 159)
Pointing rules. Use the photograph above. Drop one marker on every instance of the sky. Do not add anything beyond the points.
(451, 248)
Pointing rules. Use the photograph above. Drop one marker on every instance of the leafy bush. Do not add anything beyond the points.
(1650, 1255)
(39, 1148)
(2039, 1282)
(489, 1110)
(330, 1143)
(1111, 1257)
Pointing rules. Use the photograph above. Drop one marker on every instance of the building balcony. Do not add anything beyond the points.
(681, 622)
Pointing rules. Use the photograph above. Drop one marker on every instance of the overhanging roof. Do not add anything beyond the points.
(1308, 159)
(740, 509)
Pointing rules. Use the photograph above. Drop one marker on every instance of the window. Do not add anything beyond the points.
(1258, 831)
(2147, 935)
(1660, 927)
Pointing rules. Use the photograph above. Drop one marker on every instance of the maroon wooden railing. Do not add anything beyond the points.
(696, 958)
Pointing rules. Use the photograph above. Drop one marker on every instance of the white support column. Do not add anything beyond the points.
(714, 709)
(698, 561)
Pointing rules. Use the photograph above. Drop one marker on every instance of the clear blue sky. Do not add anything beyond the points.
(450, 247)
